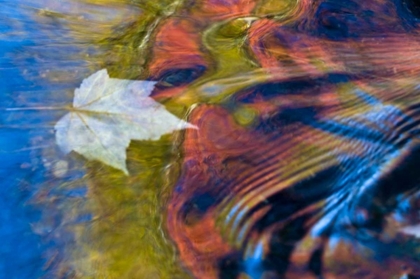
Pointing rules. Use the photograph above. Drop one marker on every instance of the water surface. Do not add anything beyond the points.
(303, 164)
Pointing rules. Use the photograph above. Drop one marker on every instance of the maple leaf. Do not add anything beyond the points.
(107, 113)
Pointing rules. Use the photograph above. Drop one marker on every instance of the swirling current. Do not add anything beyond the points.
(322, 145)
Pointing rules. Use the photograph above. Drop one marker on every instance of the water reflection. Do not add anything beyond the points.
(303, 164)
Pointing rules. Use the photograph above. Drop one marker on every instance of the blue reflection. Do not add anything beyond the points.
(24, 249)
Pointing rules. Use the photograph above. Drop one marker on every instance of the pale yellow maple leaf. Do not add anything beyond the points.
(107, 114)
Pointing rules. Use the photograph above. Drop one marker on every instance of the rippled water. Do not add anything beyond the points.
(303, 164)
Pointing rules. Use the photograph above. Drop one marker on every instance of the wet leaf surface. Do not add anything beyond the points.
(107, 114)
